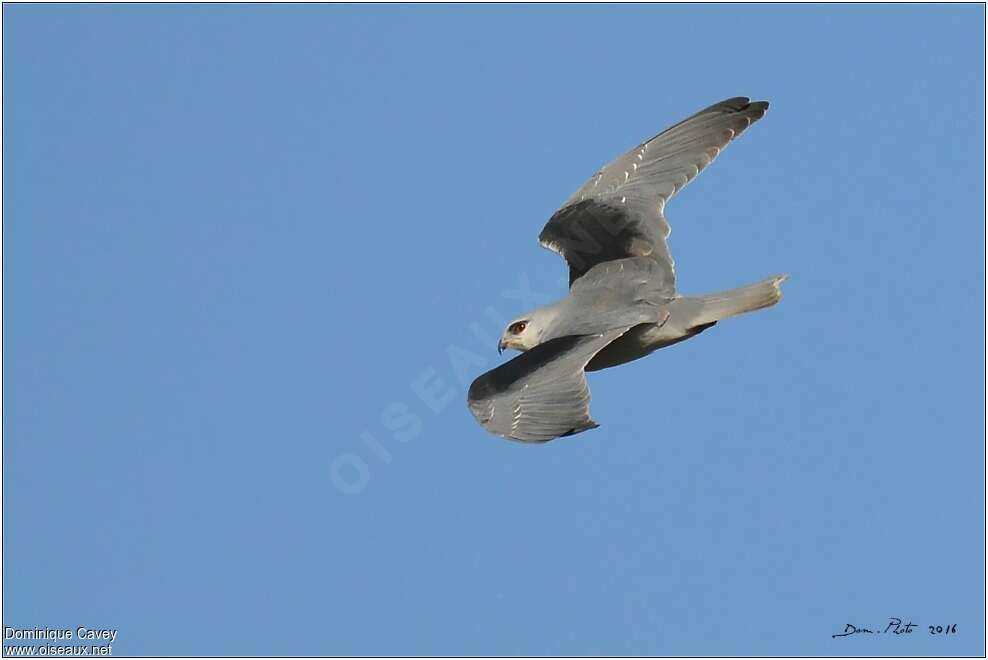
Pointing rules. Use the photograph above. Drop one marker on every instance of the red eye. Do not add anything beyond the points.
(517, 328)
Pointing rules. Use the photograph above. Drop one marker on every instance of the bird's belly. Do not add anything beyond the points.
(641, 340)
(635, 343)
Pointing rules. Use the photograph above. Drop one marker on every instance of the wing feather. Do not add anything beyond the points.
(618, 212)
(541, 394)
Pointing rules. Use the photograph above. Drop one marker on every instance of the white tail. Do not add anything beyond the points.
(725, 304)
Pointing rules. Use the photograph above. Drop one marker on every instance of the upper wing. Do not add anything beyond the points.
(618, 212)
(541, 394)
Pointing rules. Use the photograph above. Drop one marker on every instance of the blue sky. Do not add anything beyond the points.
(254, 255)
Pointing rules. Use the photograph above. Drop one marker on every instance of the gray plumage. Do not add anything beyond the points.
(622, 303)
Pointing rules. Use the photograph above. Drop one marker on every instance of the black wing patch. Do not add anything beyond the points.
(591, 232)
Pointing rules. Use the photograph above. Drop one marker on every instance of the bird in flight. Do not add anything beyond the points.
(622, 301)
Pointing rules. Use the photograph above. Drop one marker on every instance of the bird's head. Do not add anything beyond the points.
(526, 331)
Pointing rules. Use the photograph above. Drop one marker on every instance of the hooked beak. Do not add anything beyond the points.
(500, 345)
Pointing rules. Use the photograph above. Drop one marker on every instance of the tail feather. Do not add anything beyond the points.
(725, 304)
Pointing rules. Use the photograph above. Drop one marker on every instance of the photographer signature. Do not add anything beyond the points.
(895, 627)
